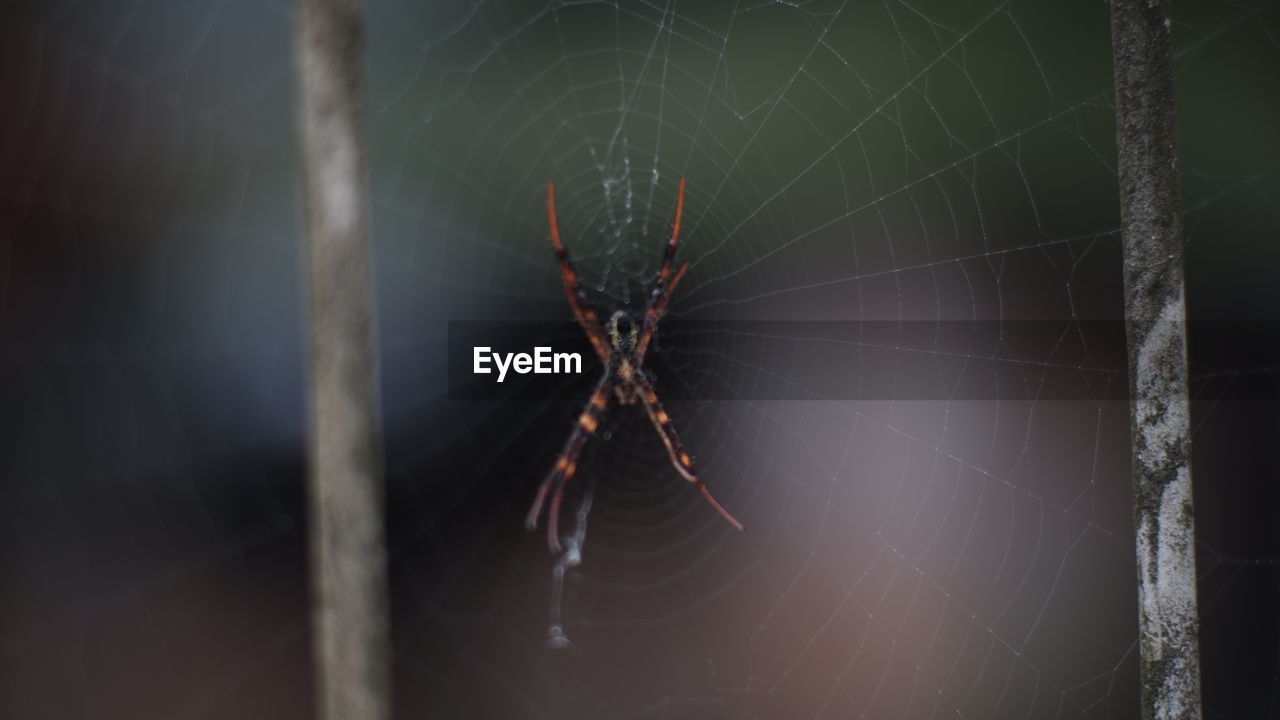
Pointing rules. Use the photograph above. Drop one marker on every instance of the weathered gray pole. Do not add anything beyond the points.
(1151, 225)
(348, 558)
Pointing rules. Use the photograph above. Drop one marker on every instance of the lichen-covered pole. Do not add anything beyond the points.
(348, 557)
(1151, 225)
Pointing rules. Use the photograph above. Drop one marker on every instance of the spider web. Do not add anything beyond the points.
(893, 165)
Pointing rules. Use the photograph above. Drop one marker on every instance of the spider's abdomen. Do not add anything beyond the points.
(626, 388)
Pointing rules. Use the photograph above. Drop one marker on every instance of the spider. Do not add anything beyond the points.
(621, 348)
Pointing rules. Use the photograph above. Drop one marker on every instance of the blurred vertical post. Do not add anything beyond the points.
(348, 558)
(1155, 315)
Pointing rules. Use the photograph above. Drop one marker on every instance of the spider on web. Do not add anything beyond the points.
(622, 355)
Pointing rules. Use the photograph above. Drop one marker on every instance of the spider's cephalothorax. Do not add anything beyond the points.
(622, 333)
(622, 339)
(622, 355)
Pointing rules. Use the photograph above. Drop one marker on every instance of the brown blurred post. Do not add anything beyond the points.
(1151, 223)
(348, 558)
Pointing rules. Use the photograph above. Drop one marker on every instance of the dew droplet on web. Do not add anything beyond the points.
(556, 639)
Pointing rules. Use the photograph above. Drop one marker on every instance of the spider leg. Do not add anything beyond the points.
(679, 456)
(585, 316)
(567, 463)
(654, 313)
(661, 290)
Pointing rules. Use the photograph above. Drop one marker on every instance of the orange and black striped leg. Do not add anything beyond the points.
(585, 316)
(679, 456)
(666, 283)
(669, 256)
(654, 313)
(661, 290)
(562, 472)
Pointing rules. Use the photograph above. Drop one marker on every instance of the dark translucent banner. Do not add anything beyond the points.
(809, 360)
